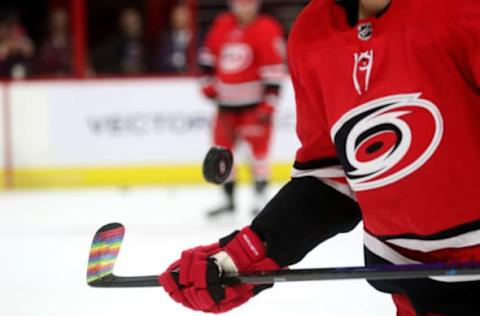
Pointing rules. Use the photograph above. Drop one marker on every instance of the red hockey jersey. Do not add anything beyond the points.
(245, 59)
(389, 112)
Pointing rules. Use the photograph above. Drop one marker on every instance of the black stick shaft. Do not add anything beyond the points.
(381, 272)
(384, 272)
(131, 281)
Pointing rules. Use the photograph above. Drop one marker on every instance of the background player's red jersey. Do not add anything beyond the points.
(245, 59)
(397, 101)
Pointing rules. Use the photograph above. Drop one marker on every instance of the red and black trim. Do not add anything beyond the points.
(317, 164)
(207, 70)
(271, 88)
(237, 108)
(430, 296)
(328, 170)
(449, 233)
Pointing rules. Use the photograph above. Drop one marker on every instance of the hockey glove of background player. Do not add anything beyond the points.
(209, 90)
(197, 284)
(264, 112)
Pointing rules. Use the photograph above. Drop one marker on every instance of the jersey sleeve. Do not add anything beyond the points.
(209, 51)
(467, 31)
(271, 58)
(473, 43)
(316, 156)
(271, 52)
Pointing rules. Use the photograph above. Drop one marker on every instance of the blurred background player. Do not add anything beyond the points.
(243, 64)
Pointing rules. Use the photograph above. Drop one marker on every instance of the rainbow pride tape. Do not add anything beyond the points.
(104, 251)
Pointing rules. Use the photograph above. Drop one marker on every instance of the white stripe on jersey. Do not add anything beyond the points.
(382, 250)
(327, 175)
(461, 241)
(340, 187)
(240, 93)
(328, 172)
(273, 74)
(206, 57)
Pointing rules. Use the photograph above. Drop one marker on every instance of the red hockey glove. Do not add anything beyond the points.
(264, 112)
(198, 285)
(209, 91)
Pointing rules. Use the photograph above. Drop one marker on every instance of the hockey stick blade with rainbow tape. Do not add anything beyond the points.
(104, 251)
(107, 242)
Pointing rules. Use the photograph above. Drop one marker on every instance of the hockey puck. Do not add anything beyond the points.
(217, 165)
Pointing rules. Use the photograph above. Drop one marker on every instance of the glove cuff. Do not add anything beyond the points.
(245, 249)
(210, 92)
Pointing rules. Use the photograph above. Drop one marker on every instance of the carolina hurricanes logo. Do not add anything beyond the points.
(387, 139)
(235, 57)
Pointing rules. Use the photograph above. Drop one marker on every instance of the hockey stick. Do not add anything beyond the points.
(107, 241)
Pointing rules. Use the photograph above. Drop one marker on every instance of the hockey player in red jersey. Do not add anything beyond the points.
(243, 62)
(388, 109)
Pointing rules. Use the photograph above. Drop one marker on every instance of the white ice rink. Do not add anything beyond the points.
(45, 238)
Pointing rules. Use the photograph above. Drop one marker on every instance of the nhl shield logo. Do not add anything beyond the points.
(365, 31)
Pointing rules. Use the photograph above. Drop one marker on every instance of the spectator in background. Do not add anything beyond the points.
(172, 52)
(123, 53)
(16, 48)
(55, 54)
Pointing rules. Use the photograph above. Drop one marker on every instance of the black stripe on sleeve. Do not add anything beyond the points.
(206, 70)
(271, 88)
(317, 164)
(452, 232)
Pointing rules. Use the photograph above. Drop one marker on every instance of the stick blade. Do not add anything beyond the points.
(103, 252)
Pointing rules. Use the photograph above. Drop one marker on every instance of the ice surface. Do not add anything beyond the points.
(45, 238)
